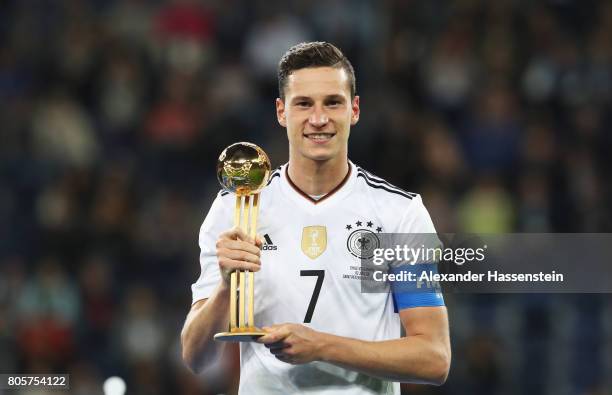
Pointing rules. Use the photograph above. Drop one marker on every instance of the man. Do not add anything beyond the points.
(324, 336)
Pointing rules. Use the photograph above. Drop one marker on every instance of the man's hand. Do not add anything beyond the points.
(237, 251)
(293, 343)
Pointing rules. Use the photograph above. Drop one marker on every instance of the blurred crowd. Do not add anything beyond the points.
(113, 114)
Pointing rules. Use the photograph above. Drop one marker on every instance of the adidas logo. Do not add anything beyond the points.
(268, 244)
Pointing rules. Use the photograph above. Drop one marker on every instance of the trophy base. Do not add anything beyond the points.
(246, 335)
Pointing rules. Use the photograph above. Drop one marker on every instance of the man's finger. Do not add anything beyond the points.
(274, 327)
(238, 255)
(236, 233)
(274, 336)
(239, 245)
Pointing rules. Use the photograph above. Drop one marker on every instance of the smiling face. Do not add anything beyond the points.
(318, 113)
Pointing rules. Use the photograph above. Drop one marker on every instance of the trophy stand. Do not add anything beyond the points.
(244, 169)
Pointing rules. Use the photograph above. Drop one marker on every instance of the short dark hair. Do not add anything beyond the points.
(312, 54)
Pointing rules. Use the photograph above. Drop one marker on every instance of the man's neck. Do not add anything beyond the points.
(317, 177)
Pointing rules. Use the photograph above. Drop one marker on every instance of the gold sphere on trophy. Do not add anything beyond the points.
(243, 168)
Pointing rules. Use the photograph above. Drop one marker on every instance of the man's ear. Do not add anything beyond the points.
(355, 111)
(280, 112)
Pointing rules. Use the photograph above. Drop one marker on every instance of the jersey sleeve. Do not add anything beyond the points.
(217, 220)
(416, 221)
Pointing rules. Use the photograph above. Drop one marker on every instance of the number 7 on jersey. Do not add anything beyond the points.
(320, 274)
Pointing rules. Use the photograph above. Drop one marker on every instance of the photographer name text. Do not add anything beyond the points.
(469, 276)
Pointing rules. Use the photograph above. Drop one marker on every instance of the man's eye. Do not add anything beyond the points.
(302, 104)
(333, 103)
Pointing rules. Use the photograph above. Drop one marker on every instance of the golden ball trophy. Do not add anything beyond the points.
(244, 169)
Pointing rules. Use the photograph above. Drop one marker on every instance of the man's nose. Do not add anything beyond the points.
(318, 118)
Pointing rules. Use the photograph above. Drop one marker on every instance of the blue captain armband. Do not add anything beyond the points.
(411, 288)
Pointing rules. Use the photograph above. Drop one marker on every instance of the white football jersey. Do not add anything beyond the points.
(310, 248)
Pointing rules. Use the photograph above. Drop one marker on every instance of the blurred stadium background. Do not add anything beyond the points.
(112, 115)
